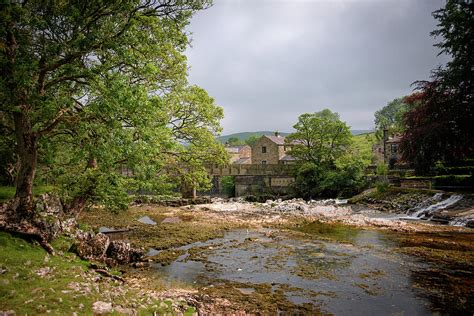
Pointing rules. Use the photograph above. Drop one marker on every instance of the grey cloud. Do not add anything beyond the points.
(266, 62)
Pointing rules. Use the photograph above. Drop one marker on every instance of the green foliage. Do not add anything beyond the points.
(26, 291)
(362, 145)
(329, 166)
(382, 169)
(104, 92)
(391, 117)
(8, 192)
(252, 140)
(382, 186)
(234, 141)
(228, 185)
(440, 127)
(313, 181)
(466, 180)
(320, 138)
(246, 135)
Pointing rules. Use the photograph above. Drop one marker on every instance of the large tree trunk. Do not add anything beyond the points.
(27, 149)
(79, 203)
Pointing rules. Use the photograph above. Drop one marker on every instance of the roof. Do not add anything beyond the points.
(235, 149)
(279, 140)
(288, 158)
(241, 161)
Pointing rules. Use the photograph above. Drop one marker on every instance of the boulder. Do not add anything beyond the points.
(92, 246)
(122, 252)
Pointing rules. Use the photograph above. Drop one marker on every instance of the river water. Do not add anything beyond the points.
(342, 270)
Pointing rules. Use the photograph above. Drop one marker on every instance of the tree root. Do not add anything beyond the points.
(109, 275)
(29, 236)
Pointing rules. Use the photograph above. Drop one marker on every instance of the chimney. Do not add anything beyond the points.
(385, 134)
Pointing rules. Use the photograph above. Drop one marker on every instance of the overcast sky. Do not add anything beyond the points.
(267, 62)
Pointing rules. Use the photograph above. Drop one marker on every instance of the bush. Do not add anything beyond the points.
(312, 181)
(228, 185)
(382, 186)
(382, 169)
(454, 180)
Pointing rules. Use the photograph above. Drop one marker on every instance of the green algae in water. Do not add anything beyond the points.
(326, 231)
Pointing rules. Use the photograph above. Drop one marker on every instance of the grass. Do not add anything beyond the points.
(7, 192)
(33, 282)
(363, 144)
(192, 226)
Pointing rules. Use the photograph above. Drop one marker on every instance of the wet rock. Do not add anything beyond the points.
(146, 220)
(101, 307)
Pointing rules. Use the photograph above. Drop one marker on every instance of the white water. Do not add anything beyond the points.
(426, 211)
(460, 222)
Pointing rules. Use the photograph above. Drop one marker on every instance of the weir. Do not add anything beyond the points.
(255, 178)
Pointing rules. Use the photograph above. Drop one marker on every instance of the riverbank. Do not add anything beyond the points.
(232, 256)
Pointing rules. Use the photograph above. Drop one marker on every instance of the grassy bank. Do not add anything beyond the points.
(33, 283)
(7, 192)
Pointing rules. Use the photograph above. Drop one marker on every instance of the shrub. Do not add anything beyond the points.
(382, 186)
(228, 185)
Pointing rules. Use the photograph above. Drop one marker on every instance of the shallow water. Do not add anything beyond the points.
(344, 272)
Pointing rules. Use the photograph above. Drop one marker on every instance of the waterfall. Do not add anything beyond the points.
(426, 211)
(460, 222)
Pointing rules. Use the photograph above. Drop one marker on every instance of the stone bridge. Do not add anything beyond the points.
(254, 179)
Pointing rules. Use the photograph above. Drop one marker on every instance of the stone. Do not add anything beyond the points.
(100, 307)
(122, 252)
(171, 220)
(92, 246)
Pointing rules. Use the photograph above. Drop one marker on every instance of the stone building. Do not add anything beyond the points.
(392, 153)
(271, 150)
(388, 150)
(239, 154)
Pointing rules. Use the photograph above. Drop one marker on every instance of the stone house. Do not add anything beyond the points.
(392, 153)
(239, 155)
(271, 150)
(388, 149)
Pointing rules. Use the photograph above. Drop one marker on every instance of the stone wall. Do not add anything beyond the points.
(419, 183)
(245, 152)
(252, 170)
(272, 154)
(250, 185)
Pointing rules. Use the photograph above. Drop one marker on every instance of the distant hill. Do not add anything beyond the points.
(245, 135)
(361, 131)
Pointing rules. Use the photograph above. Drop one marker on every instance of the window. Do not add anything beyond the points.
(264, 162)
(394, 148)
(264, 149)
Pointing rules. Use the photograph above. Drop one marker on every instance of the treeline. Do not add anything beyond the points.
(95, 101)
(436, 121)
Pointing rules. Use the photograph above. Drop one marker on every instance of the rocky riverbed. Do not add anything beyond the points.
(317, 257)
(238, 257)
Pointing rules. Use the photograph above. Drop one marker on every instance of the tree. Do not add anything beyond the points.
(391, 117)
(252, 140)
(440, 127)
(320, 138)
(90, 69)
(328, 165)
(234, 141)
